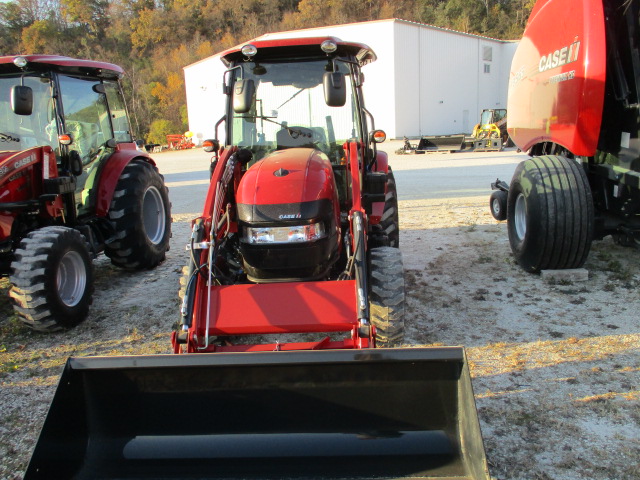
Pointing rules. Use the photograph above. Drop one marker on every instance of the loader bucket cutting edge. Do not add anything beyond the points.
(378, 413)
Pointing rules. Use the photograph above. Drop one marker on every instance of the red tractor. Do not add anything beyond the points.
(298, 236)
(73, 183)
(574, 99)
(301, 205)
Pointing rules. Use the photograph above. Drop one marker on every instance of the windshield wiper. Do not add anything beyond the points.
(291, 97)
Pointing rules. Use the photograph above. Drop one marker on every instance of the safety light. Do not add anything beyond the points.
(210, 145)
(289, 234)
(329, 46)
(249, 50)
(20, 62)
(65, 139)
(379, 136)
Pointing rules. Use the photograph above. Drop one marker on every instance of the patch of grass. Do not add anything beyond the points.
(9, 366)
(619, 271)
(12, 327)
(484, 259)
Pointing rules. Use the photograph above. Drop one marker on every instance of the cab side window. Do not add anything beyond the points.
(86, 115)
(121, 127)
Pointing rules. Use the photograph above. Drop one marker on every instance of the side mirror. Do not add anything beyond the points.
(21, 100)
(243, 91)
(335, 89)
(211, 146)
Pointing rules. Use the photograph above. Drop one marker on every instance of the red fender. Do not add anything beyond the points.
(382, 162)
(110, 175)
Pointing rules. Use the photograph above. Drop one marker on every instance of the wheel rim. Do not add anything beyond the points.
(71, 279)
(153, 215)
(520, 217)
(496, 206)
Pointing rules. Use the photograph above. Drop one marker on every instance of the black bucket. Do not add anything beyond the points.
(379, 413)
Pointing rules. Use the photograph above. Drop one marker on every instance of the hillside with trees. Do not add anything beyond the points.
(153, 40)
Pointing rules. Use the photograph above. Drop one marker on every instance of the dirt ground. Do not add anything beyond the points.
(555, 367)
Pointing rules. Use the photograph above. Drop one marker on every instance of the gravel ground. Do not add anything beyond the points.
(555, 367)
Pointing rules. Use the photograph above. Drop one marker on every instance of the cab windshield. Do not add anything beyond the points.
(290, 110)
(87, 117)
(492, 116)
(19, 132)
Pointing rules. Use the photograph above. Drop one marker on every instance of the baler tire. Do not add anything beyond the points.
(550, 214)
(140, 214)
(390, 222)
(498, 205)
(387, 296)
(52, 279)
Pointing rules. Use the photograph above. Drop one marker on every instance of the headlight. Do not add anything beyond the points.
(291, 234)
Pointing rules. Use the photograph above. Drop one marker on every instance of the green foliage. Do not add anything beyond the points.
(160, 129)
(153, 40)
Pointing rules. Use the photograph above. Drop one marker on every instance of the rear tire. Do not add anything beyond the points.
(387, 296)
(550, 214)
(390, 221)
(140, 214)
(52, 279)
(498, 205)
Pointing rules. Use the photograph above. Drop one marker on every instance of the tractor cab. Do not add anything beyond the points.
(491, 116)
(290, 96)
(75, 107)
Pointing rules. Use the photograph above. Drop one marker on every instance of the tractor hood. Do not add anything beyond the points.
(292, 185)
(289, 216)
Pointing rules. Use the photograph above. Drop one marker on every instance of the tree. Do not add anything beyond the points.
(159, 130)
(40, 37)
(90, 14)
(170, 96)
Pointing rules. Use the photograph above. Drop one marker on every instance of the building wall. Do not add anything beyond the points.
(205, 100)
(441, 82)
(448, 82)
(426, 81)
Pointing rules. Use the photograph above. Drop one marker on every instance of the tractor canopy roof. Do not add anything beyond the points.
(298, 48)
(60, 64)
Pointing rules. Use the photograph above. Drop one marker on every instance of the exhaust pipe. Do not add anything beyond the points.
(373, 413)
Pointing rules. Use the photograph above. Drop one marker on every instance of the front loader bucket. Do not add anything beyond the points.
(378, 413)
(441, 143)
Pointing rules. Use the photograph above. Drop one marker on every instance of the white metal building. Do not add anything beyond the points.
(426, 81)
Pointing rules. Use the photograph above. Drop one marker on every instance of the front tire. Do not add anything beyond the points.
(550, 214)
(52, 279)
(140, 214)
(390, 221)
(387, 296)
